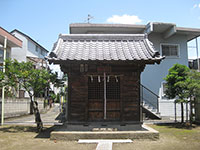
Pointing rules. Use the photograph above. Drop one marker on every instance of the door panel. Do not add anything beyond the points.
(96, 98)
(113, 98)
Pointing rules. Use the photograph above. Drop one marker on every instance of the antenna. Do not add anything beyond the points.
(89, 18)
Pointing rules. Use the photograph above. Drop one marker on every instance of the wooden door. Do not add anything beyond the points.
(103, 98)
(95, 98)
(113, 98)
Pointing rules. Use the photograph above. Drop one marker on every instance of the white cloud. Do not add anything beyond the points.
(196, 5)
(124, 19)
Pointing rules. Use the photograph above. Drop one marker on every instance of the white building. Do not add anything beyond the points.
(168, 39)
(30, 51)
(30, 48)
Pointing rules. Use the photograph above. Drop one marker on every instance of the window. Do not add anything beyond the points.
(170, 50)
(1, 58)
(43, 52)
(1, 55)
(95, 87)
(36, 48)
(113, 88)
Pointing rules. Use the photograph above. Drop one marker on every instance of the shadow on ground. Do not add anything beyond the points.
(178, 125)
(46, 132)
(16, 129)
(19, 129)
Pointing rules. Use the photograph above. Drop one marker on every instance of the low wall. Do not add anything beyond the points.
(167, 108)
(19, 106)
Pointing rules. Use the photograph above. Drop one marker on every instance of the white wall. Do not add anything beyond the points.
(17, 107)
(31, 52)
(28, 49)
(19, 53)
(167, 108)
(153, 75)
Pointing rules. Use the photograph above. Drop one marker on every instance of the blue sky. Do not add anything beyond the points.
(44, 20)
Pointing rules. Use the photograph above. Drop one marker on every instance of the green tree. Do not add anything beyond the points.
(176, 87)
(32, 80)
(193, 86)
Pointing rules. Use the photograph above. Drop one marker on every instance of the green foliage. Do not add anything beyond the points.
(184, 85)
(26, 76)
(176, 87)
(1, 78)
(193, 84)
(52, 95)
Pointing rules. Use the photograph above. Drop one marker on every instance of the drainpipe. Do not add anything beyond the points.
(3, 88)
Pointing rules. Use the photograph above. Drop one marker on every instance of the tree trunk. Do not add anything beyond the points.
(31, 107)
(191, 111)
(186, 112)
(175, 112)
(36, 112)
(182, 113)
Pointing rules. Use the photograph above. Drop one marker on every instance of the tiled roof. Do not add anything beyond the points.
(104, 47)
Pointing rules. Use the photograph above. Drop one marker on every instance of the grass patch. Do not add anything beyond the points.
(178, 131)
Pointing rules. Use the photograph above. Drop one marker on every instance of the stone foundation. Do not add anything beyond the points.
(145, 133)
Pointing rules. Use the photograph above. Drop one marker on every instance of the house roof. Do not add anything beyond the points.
(91, 47)
(166, 29)
(28, 37)
(12, 41)
(90, 28)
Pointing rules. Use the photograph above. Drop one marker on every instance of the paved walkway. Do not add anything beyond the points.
(104, 144)
(48, 118)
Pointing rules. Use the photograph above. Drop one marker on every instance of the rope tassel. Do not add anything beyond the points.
(116, 79)
(91, 77)
(108, 79)
(99, 79)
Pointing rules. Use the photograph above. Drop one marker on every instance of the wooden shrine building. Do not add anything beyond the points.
(103, 75)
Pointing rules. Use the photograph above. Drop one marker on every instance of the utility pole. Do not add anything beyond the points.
(3, 88)
(197, 54)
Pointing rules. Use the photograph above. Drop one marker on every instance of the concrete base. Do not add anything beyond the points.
(71, 135)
